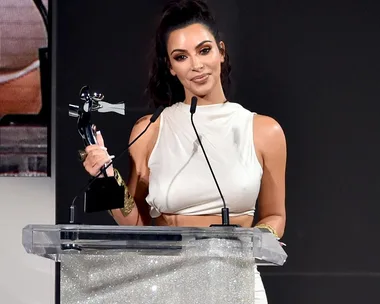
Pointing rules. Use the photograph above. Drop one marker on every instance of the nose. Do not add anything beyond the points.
(197, 64)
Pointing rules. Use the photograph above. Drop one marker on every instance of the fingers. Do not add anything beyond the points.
(94, 163)
(97, 156)
(99, 139)
(90, 148)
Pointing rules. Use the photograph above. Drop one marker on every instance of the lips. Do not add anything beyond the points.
(200, 78)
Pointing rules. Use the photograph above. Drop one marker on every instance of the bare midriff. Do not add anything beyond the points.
(201, 220)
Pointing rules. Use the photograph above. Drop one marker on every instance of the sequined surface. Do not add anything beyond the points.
(213, 271)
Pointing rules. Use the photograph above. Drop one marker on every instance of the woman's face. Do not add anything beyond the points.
(195, 59)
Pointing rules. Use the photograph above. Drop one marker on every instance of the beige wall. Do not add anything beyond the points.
(25, 278)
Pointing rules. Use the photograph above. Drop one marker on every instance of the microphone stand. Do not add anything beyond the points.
(225, 211)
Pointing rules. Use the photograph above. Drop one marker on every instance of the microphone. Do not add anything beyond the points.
(110, 183)
(225, 211)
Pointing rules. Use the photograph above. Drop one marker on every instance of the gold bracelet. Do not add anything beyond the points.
(118, 177)
(270, 228)
(129, 201)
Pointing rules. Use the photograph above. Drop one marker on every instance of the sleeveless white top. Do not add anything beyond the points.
(180, 180)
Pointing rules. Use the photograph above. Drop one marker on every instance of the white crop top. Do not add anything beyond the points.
(180, 181)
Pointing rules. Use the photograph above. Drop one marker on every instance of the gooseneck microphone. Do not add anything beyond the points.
(225, 210)
(109, 184)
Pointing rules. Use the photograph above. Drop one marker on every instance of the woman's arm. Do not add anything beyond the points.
(138, 179)
(138, 189)
(271, 146)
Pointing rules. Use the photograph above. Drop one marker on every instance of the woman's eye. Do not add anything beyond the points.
(180, 57)
(205, 51)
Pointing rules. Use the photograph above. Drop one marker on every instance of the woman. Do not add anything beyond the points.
(169, 178)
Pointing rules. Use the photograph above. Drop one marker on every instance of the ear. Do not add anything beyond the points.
(170, 67)
(222, 49)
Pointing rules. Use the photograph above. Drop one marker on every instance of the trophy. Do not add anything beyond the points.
(104, 193)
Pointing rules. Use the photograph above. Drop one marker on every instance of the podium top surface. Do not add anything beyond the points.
(52, 241)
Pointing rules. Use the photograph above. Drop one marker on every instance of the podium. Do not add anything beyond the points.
(155, 265)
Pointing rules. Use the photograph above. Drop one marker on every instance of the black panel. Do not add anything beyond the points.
(312, 65)
(323, 288)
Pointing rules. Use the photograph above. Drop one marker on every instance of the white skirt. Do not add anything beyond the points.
(260, 294)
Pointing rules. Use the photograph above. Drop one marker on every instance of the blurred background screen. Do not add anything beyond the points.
(24, 108)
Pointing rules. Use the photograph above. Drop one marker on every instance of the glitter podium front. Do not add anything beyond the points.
(155, 265)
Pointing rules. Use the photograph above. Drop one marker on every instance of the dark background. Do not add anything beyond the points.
(312, 65)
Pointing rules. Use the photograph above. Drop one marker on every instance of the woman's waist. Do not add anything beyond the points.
(201, 204)
(180, 220)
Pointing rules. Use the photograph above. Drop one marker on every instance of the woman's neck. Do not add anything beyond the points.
(212, 98)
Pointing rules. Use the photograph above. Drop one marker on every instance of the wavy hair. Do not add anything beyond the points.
(164, 88)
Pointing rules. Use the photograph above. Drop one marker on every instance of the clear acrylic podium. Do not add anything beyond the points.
(155, 265)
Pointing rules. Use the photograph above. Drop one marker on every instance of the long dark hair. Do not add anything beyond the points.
(164, 88)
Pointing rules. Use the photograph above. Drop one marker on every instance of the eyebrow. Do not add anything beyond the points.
(199, 44)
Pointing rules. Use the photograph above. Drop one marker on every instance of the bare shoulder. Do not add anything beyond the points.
(145, 143)
(267, 125)
(268, 134)
(140, 125)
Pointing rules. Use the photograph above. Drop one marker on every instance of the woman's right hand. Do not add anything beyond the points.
(97, 157)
